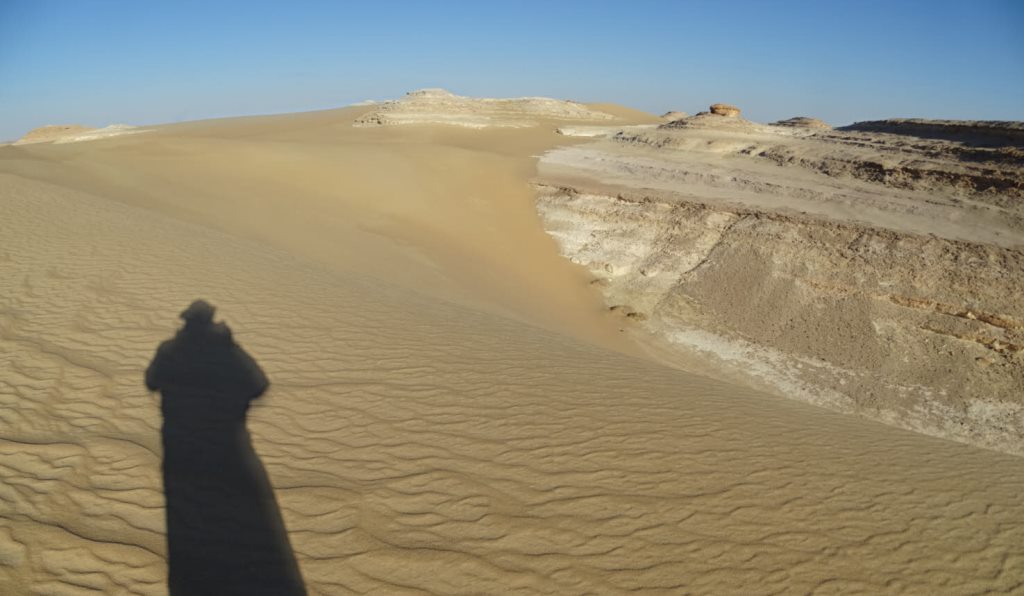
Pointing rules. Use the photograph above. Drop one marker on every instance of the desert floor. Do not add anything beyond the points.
(452, 410)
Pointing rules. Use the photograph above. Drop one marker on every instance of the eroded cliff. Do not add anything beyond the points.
(768, 249)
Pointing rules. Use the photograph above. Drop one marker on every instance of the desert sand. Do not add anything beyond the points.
(453, 407)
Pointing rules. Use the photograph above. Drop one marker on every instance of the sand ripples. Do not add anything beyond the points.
(422, 447)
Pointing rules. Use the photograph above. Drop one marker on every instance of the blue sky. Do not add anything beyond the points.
(140, 62)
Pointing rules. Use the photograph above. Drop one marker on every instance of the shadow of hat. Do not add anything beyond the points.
(199, 311)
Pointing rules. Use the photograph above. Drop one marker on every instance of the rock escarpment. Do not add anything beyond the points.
(872, 273)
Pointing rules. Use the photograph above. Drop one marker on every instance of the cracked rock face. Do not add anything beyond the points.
(869, 272)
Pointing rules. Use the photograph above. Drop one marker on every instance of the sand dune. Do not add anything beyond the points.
(452, 407)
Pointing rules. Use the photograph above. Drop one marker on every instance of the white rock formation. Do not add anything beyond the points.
(74, 133)
(437, 106)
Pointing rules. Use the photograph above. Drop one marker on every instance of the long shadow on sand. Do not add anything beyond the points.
(225, 534)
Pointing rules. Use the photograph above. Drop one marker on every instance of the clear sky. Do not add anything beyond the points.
(98, 62)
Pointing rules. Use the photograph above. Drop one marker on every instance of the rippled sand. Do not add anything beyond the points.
(451, 410)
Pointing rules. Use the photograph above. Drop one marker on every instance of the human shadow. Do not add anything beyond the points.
(225, 533)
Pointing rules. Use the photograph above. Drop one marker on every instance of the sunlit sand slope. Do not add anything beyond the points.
(446, 210)
(417, 445)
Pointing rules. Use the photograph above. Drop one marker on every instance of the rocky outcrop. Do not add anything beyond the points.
(804, 122)
(707, 120)
(673, 116)
(724, 109)
(438, 106)
(871, 273)
(52, 132)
